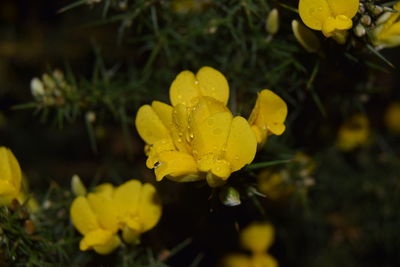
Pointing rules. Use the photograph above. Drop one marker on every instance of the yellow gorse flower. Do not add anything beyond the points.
(268, 115)
(197, 137)
(10, 177)
(132, 207)
(355, 132)
(387, 32)
(392, 118)
(328, 16)
(256, 238)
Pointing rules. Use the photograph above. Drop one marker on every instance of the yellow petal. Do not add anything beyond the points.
(184, 88)
(263, 260)
(82, 216)
(126, 200)
(210, 135)
(257, 237)
(163, 111)
(180, 131)
(314, 12)
(101, 202)
(176, 164)
(213, 83)
(157, 148)
(347, 8)
(103, 241)
(149, 207)
(241, 145)
(11, 175)
(236, 260)
(329, 26)
(149, 126)
(207, 82)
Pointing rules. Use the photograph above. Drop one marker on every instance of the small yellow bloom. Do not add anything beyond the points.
(197, 137)
(268, 115)
(387, 31)
(354, 133)
(257, 238)
(10, 177)
(392, 118)
(132, 208)
(328, 16)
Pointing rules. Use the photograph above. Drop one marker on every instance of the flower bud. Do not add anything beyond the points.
(37, 87)
(78, 188)
(272, 24)
(229, 196)
(305, 37)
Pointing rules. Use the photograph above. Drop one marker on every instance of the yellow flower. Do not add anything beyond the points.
(197, 137)
(272, 185)
(10, 177)
(257, 238)
(392, 118)
(328, 16)
(354, 133)
(268, 115)
(387, 32)
(132, 207)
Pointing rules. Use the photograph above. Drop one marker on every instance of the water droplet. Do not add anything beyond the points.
(191, 135)
(320, 9)
(179, 97)
(180, 134)
(179, 140)
(196, 82)
(236, 157)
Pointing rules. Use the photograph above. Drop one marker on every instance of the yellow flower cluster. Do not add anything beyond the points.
(332, 17)
(387, 31)
(197, 137)
(132, 207)
(257, 238)
(392, 117)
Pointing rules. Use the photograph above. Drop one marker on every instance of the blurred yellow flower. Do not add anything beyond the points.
(10, 177)
(354, 133)
(256, 238)
(198, 137)
(268, 115)
(131, 207)
(387, 31)
(328, 16)
(273, 185)
(392, 118)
